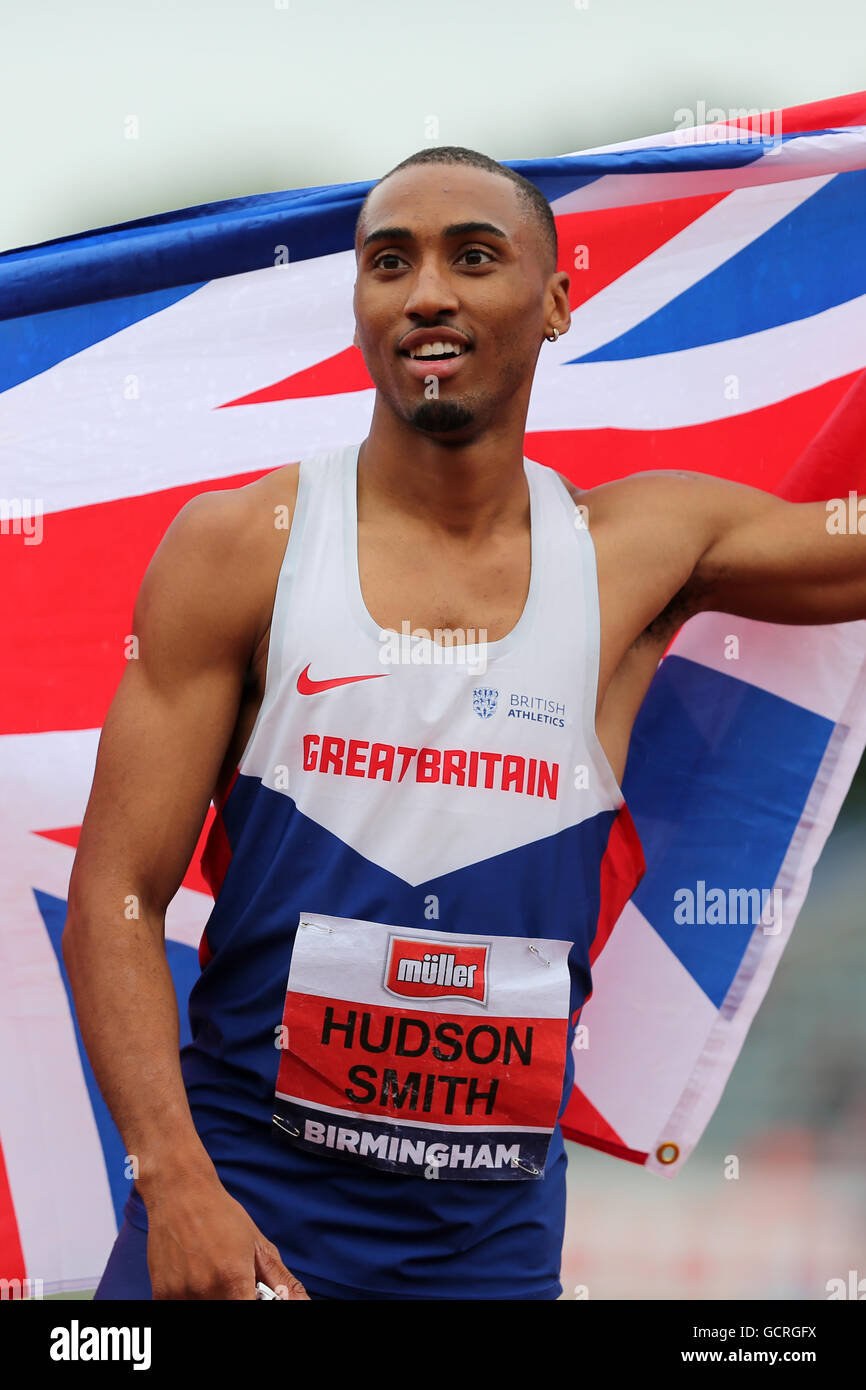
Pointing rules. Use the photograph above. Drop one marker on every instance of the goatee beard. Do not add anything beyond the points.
(440, 417)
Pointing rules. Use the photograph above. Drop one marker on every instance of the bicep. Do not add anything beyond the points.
(170, 721)
(779, 561)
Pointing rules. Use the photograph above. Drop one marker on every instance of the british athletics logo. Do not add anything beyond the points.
(423, 970)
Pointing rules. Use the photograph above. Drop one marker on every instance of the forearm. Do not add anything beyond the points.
(127, 1012)
(202, 1244)
(784, 562)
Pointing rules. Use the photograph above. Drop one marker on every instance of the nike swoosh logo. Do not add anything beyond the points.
(311, 687)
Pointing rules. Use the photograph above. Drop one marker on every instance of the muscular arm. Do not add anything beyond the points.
(159, 755)
(747, 552)
(778, 561)
(672, 544)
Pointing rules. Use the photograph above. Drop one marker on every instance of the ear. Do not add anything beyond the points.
(559, 309)
(355, 338)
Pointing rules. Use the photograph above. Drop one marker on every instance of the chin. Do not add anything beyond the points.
(441, 417)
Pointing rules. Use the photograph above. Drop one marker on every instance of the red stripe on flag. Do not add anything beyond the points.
(215, 859)
(835, 461)
(757, 447)
(616, 239)
(69, 604)
(12, 1264)
(584, 1124)
(818, 115)
(345, 371)
(622, 868)
(216, 853)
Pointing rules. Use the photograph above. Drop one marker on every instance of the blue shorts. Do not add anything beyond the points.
(126, 1275)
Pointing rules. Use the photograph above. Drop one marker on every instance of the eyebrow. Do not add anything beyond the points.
(456, 229)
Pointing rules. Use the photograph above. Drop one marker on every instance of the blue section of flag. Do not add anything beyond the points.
(183, 963)
(180, 249)
(718, 775)
(564, 174)
(31, 345)
(809, 261)
(190, 246)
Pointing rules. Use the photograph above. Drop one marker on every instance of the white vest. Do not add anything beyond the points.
(444, 758)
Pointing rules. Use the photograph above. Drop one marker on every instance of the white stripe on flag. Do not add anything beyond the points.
(690, 387)
(50, 1141)
(647, 1018)
(804, 158)
(818, 669)
(679, 263)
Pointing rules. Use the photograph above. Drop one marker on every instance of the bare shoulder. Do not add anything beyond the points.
(657, 489)
(650, 530)
(268, 503)
(260, 515)
(222, 552)
(678, 511)
(279, 488)
(235, 516)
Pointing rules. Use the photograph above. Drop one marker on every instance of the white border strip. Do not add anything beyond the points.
(749, 986)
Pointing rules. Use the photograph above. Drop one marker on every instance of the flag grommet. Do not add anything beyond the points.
(667, 1153)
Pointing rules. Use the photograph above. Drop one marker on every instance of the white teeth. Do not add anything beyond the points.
(436, 350)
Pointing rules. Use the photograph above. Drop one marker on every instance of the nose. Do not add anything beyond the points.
(431, 292)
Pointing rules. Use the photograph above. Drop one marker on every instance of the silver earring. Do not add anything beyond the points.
(552, 337)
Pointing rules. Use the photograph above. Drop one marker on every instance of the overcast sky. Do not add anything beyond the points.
(230, 97)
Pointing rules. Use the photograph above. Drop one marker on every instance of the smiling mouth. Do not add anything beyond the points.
(434, 352)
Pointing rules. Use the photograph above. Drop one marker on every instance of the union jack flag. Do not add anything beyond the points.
(718, 291)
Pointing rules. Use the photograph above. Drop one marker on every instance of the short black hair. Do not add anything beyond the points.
(457, 154)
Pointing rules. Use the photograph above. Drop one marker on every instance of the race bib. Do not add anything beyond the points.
(423, 1052)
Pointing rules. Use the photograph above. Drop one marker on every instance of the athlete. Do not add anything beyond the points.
(406, 673)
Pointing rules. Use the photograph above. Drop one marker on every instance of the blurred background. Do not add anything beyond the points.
(114, 110)
(793, 1116)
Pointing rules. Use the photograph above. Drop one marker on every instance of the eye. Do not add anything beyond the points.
(477, 251)
(378, 262)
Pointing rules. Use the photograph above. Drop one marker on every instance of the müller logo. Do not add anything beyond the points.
(428, 970)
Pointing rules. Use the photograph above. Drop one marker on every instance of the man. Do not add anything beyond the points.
(407, 859)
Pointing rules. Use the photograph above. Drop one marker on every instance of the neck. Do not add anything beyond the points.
(464, 489)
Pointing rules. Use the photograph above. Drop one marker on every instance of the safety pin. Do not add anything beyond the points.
(317, 926)
(527, 1167)
(284, 1125)
(536, 952)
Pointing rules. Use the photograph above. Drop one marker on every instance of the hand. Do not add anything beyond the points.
(202, 1244)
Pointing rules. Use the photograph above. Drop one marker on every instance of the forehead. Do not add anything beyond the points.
(426, 198)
